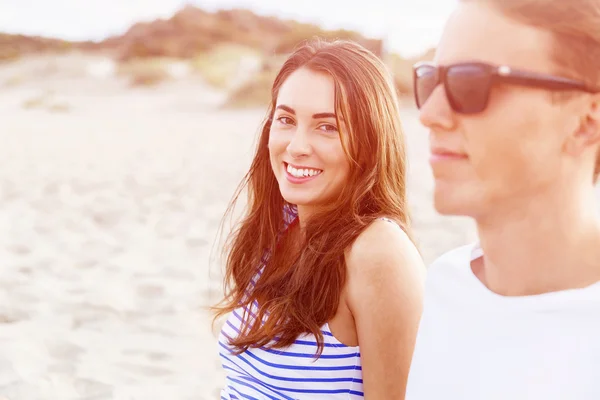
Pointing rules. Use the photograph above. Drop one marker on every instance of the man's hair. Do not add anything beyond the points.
(575, 28)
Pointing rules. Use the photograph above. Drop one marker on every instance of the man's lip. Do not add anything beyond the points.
(440, 157)
(444, 153)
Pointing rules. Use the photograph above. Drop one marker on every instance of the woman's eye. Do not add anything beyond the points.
(328, 128)
(285, 120)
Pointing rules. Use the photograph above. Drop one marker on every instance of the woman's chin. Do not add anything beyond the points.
(298, 198)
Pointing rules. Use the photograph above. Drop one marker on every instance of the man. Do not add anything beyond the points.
(512, 102)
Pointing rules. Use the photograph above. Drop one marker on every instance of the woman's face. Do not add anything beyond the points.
(305, 144)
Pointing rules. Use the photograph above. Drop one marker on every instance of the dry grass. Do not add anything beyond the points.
(14, 80)
(148, 78)
(221, 66)
(301, 32)
(38, 101)
(401, 69)
(34, 102)
(9, 55)
(59, 107)
(13, 47)
(47, 101)
(145, 72)
(256, 91)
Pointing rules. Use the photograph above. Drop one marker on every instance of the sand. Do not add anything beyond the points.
(110, 201)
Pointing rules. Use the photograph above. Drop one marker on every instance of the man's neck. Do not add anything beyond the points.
(545, 245)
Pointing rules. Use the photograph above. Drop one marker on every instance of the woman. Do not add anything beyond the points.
(514, 126)
(323, 257)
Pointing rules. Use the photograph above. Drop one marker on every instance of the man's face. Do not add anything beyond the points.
(514, 149)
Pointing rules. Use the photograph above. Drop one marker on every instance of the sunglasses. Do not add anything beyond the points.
(468, 85)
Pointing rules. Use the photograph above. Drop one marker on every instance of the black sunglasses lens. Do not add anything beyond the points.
(468, 88)
(425, 82)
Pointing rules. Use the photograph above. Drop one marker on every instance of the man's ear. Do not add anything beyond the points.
(587, 133)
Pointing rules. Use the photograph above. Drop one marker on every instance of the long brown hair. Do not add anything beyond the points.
(575, 28)
(301, 293)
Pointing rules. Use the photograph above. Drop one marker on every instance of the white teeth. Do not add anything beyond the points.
(302, 172)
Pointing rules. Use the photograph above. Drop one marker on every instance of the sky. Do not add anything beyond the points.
(408, 28)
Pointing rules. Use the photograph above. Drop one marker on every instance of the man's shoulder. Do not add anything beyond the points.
(452, 266)
(458, 257)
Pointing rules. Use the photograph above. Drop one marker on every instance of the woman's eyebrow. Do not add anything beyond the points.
(315, 116)
(324, 115)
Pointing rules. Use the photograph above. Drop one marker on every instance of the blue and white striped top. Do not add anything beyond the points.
(293, 372)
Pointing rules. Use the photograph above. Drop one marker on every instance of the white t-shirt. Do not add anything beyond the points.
(474, 344)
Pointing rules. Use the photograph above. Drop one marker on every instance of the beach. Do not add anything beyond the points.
(111, 198)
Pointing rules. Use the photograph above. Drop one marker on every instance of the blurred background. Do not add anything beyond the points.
(124, 129)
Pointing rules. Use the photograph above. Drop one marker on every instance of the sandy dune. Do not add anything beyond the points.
(109, 209)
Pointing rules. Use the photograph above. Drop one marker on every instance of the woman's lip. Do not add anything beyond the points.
(297, 180)
(293, 179)
(285, 164)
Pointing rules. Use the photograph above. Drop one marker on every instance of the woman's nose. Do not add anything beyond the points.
(299, 145)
